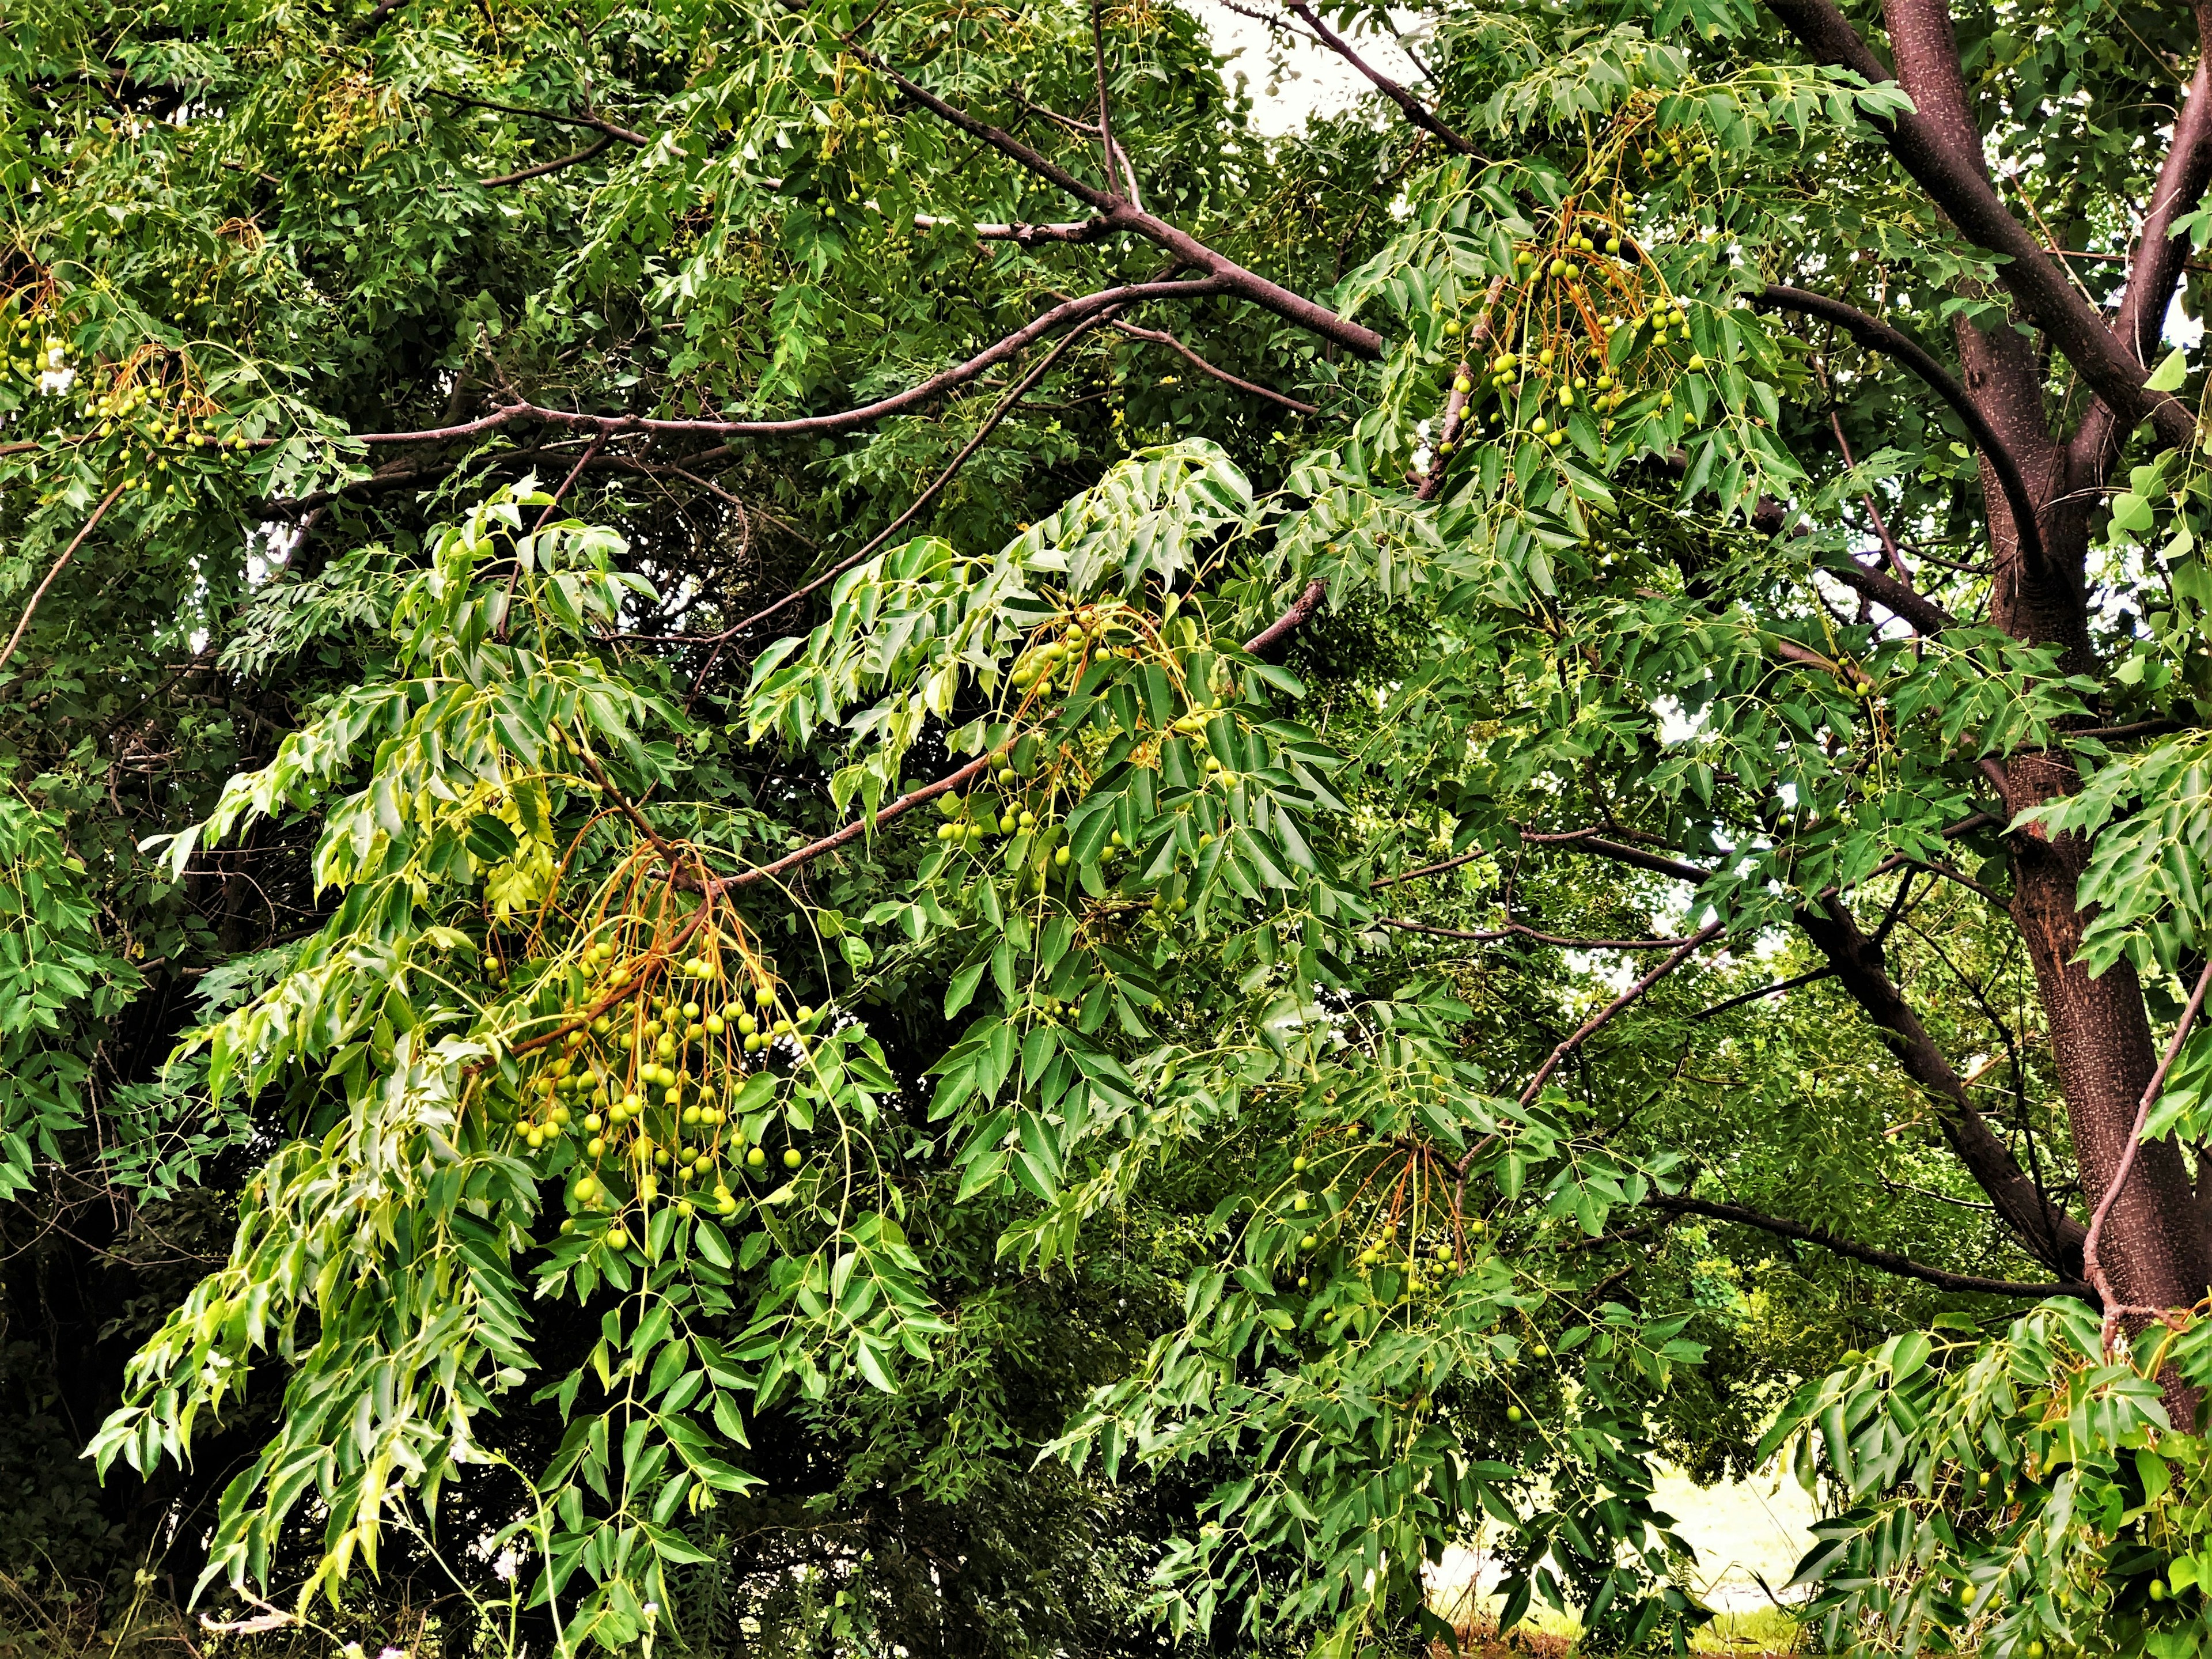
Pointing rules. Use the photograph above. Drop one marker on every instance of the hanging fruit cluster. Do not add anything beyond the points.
(673, 1040)
(346, 123)
(151, 424)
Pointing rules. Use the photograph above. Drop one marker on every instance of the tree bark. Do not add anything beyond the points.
(2159, 1249)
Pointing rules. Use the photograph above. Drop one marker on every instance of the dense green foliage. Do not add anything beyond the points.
(528, 1094)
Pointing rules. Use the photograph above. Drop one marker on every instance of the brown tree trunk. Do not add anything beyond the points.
(2155, 1245)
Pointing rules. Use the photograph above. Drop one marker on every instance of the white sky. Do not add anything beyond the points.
(1315, 80)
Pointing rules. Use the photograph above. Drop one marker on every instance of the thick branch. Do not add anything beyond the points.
(1887, 1260)
(545, 168)
(2160, 256)
(1083, 230)
(1415, 111)
(2054, 1237)
(1926, 615)
(1878, 335)
(1060, 317)
(1957, 185)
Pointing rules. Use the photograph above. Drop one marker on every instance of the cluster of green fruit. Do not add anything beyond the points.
(1672, 150)
(1572, 365)
(972, 819)
(33, 355)
(1058, 658)
(652, 1081)
(156, 423)
(345, 118)
(187, 273)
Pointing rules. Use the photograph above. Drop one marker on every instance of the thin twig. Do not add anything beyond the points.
(2091, 1265)
(545, 168)
(31, 609)
(1515, 930)
(1598, 1021)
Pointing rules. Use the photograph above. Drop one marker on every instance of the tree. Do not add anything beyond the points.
(884, 808)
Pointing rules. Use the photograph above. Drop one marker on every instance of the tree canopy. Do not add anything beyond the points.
(822, 829)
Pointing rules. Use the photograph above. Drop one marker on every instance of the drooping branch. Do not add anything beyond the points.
(1887, 1260)
(1161, 336)
(1958, 185)
(1413, 109)
(1877, 336)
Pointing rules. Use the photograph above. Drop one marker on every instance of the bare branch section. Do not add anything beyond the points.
(1028, 235)
(1956, 183)
(1878, 335)
(1887, 1260)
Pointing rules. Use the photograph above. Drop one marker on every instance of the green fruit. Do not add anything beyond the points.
(2158, 1589)
(755, 1159)
(792, 1157)
(1308, 1243)
(618, 1238)
(1513, 1413)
